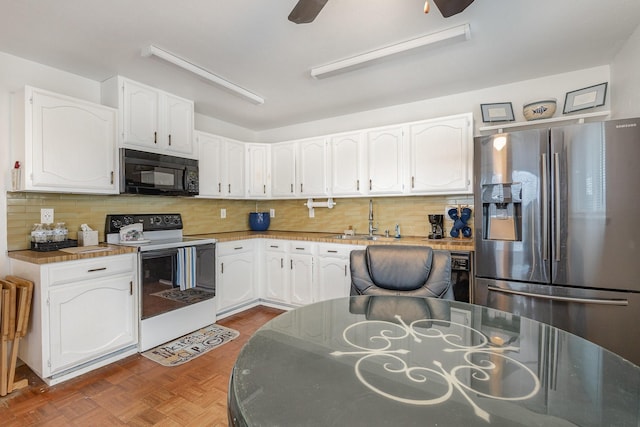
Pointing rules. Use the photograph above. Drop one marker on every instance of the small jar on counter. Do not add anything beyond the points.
(60, 232)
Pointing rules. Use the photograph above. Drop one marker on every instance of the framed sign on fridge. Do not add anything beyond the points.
(582, 99)
(497, 112)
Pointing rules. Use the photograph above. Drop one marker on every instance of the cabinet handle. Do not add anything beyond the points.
(357, 184)
(413, 180)
(222, 268)
(291, 261)
(155, 137)
(219, 187)
(112, 177)
(264, 189)
(238, 248)
(292, 188)
(96, 269)
(370, 184)
(301, 187)
(229, 188)
(332, 252)
(131, 287)
(169, 139)
(345, 270)
(274, 246)
(281, 262)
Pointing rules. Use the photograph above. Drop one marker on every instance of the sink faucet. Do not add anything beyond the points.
(371, 227)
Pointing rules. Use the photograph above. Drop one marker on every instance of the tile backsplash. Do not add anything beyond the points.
(203, 215)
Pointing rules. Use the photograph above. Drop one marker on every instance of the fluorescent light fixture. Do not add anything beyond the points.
(205, 74)
(459, 33)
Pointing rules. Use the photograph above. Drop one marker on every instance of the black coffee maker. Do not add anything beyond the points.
(437, 226)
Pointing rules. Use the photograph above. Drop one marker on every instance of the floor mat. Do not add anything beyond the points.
(190, 346)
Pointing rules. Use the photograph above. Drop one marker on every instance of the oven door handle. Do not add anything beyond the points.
(159, 253)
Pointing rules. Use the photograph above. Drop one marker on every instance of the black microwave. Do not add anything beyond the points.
(159, 174)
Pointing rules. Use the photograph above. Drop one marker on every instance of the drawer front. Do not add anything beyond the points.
(72, 271)
(275, 245)
(337, 250)
(299, 247)
(240, 246)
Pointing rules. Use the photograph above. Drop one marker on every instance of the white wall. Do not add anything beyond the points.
(520, 93)
(16, 73)
(625, 77)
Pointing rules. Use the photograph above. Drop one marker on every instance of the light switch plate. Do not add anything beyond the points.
(46, 216)
(272, 213)
(223, 213)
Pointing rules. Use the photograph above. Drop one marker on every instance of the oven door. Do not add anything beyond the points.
(159, 291)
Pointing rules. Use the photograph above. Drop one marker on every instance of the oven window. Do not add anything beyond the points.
(159, 290)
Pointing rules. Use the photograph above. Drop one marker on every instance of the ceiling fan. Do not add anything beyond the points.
(305, 11)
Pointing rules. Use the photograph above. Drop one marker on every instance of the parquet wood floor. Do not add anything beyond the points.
(136, 391)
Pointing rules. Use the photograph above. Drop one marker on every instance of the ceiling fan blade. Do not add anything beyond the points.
(305, 11)
(452, 7)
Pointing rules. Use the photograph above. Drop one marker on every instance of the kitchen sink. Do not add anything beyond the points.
(357, 237)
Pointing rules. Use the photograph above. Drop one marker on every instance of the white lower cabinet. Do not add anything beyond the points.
(289, 272)
(84, 315)
(334, 272)
(235, 281)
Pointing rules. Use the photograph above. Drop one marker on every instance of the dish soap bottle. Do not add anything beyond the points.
(397, 231)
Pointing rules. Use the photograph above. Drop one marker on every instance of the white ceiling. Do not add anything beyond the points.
(252, 44)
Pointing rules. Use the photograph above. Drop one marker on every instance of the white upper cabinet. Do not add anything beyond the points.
(152, 120)
(283, 170)
(312, 168)
(220, 166)
(385, 160)
(64, 144)
(348, 166)
(441, 155)
(257, 170)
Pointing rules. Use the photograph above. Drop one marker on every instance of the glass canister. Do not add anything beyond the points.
(60, 232)
(38, 233)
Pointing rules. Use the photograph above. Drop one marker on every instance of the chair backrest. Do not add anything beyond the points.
(401, 270)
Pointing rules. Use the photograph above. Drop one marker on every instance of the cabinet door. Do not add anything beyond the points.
(312, 168)
(73, 145)
(210, 149)
(257, 158)
(385, 161)
(301, 278)
(141, 109)
(347, 166)
(89, 319)
(277, 275)
(441, 156)
(235, 279)
(178, 132)
(283, 170)
(334, 278)
(234, 169)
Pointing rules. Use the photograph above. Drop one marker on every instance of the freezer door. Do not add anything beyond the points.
(595, 173)
(511, 206)
(606, 318)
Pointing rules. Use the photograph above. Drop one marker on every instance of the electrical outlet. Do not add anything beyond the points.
(223, 213)
(272, 213)
(46, 216)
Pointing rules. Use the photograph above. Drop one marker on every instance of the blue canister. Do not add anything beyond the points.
(259, 221)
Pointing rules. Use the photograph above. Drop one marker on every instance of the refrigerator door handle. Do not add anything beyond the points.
(601, 301)
(556, 204)
(544, 208)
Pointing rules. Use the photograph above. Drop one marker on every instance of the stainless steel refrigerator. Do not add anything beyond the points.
(557, 228)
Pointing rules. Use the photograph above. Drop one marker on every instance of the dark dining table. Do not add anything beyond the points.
(406, 361)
